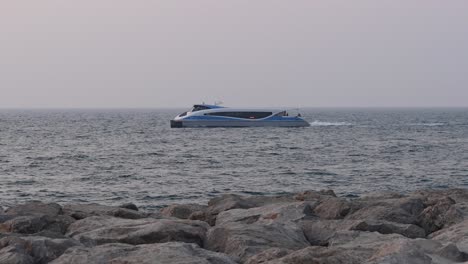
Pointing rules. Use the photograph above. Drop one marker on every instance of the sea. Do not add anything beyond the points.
(132, 155)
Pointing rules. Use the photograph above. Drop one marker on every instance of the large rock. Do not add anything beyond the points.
(170, 253)
(335, 208)
(267, 255)
(33, 217)
(384, 227)
(282, 212)
(30, 224)
(97, 230)
(182, 211)
(241, 240)
(81, 211)
(399, 210)
(32, 249)
(319, 232)
(457, 234)
(417, 251)
(438, 214)
(34, 208)
(234, 201)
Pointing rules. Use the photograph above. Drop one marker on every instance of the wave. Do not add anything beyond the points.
(428, 124)
(321, 123)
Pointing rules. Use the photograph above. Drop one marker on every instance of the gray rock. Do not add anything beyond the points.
(34, 208)
(97, 230)
(399, 210)
(33, 217)
(312, 195)
(417, 251)
(81, 211)
(32, 248)
(267, 255)
(233, 201)
(439, 214)
(334, 208)
(182, 211)
(30, 224)
(384, 227)
(167, 253)
(457, 234)
(130, 206)
(282, 212)
(241, 241)
(13, 255)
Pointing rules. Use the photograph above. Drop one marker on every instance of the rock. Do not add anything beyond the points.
(318, 255)
(318, 232)
(130, 206)
(314, 195)
(418, 251)
(30, 224)
(350, 247)
(241, 241)
(283, 212)
(233, 201)
(440, 214)
(182, 211)
(267, 255)
(400, 210)
(172, 252)
(97, 230)
(13, 255)
(35, 208)
(81, 211)
(457, 234)
(33, 217)
(33, 249)
(384, 227)
(334, 208)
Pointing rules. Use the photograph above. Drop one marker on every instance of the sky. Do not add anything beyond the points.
(174, 53)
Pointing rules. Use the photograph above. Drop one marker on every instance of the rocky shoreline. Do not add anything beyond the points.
(426, 226)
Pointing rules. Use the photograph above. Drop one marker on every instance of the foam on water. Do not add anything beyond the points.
(322, 123)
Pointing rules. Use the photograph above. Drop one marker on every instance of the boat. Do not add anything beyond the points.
(204, 115)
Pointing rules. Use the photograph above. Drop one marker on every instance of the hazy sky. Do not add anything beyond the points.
(149, 53)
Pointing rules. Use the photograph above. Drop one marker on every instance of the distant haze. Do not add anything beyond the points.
(149, 53)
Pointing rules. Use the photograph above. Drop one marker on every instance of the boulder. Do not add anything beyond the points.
(14, 255)
(35, 208)
(282, 212)
(267, 255)
(170, 253)
(33, 249)
(457, 234)
(334, 208)
(234, 201)
(350, 247)
(33, 217)
(417, 251)
(182, 211)
(384, 227)
(130, 206)
(241, 240)
(399, 210)
(30, 224)
(312, 195)
(97, 230)
(439, 214)
(81, 211)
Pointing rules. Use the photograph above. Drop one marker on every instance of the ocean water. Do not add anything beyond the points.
(117, 156)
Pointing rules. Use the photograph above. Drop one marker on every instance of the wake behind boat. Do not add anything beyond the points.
(204, 115)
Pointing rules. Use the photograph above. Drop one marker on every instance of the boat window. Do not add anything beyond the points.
(183, 114)
(199, 108)
(246, 115)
